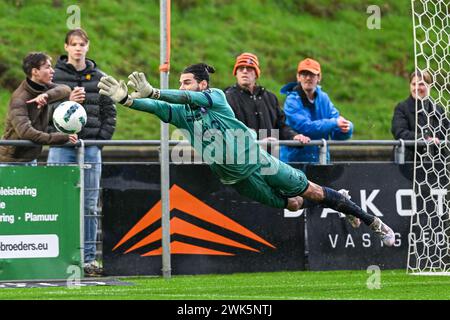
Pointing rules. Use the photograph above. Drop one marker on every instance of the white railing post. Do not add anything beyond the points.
(399, 157)
(323, 152)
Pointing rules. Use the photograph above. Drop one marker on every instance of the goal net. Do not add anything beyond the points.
(429, 238)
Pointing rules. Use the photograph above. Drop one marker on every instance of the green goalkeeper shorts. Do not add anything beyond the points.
(273, 189)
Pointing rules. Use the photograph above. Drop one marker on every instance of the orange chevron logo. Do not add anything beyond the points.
(189, 204)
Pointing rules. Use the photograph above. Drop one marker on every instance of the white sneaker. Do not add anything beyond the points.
(354, 221)
(383, 231)
(93, 269)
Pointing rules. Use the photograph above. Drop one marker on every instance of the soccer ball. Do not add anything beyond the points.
(69, 117)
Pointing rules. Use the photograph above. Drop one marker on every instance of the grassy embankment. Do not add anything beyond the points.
(364, 71)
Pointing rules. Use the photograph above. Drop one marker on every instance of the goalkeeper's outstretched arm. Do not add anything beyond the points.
(185, 97)
(161, 109)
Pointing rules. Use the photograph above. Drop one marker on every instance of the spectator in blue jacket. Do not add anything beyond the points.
(309, 111)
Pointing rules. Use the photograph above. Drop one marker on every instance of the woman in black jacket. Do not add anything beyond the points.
(432, 121)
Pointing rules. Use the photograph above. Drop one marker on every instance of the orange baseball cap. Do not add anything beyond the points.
(309, 65)
(247, 59)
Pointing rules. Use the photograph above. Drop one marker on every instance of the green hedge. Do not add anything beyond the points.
(364, 71)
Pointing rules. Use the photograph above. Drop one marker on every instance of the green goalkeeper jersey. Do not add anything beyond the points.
(209, 123)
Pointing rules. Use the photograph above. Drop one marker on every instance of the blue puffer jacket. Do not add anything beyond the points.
(318, 123)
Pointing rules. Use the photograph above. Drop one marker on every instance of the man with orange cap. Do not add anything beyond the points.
(255, 106)
(310, 111)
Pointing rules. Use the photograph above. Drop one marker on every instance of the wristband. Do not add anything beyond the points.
(126, 101)
(155, 94)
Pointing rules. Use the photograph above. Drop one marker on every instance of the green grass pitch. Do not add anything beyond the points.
(308, 285)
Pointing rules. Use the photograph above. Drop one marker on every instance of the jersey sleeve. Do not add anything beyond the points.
(165, 111)
(211, 98)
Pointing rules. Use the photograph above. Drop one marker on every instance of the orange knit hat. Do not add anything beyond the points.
(247, 60)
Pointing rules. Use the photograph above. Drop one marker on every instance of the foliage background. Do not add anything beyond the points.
(364, 71)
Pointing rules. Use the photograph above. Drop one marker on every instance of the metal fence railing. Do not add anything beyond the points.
(398, 145)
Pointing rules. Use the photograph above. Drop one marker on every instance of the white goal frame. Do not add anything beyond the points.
(429, 237)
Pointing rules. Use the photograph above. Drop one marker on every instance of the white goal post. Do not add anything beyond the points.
(429, 238)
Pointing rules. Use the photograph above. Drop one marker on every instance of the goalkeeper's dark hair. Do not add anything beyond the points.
(200, 71)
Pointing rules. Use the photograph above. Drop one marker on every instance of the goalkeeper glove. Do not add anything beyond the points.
(143, 88)
(116, 90)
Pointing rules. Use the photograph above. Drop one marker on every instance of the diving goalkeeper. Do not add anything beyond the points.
(204, 114)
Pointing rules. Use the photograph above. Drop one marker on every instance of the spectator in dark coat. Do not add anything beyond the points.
(82, 74)
(255, 106)
(433, 124)
(27, 116)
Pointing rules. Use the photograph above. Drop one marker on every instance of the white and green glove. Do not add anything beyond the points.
(143, 89)
(116, 90)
